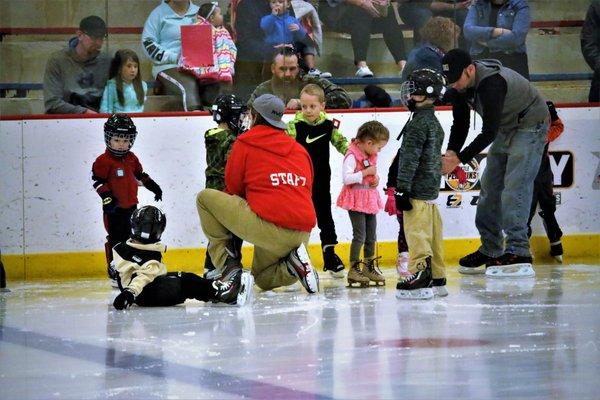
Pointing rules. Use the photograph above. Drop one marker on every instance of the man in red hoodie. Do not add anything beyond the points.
(268, 184)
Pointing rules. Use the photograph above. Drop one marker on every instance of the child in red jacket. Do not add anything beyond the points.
(116, 173)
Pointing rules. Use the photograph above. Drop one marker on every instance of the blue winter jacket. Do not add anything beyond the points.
(277, 32)
(513, 15)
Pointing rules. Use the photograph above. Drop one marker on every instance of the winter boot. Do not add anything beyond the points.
(332, 262)
(356, 276)
(372, 271)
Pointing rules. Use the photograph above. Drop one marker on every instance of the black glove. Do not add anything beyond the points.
(402, 201)
(154, 188)
(552, 109)
(124, 300)
(109, 203)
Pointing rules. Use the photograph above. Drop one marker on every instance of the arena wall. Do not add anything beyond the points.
(51, 218)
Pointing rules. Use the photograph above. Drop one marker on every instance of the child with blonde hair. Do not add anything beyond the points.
(315, 131)
(360, 197)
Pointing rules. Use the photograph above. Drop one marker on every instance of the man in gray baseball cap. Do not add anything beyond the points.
(267, 202)
(271, 108)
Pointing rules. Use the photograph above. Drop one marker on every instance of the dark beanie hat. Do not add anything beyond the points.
(377, 96)
(453, 64)
(93, 26)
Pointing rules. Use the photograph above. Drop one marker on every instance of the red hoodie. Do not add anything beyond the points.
(274, 174)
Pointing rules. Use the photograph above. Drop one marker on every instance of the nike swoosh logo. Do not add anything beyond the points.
(309, 140)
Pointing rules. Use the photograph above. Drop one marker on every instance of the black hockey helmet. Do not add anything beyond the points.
(148, 224)
(229, 109)
(425, 82)
(120, 126)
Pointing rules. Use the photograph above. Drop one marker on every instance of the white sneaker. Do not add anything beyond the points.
(364, 72)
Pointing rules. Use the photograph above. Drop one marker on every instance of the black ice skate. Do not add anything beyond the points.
(556, 251)
(332, 263)
(439, 287)
(236, 290)
(298, 265)
(510, 266)
(474, 263)
(417, 286)
(113, 275)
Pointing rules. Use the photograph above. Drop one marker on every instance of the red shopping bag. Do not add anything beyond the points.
(197, 46)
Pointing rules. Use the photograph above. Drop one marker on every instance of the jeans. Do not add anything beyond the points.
(513, 162)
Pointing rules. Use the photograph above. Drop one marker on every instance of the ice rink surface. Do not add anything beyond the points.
(489, 339)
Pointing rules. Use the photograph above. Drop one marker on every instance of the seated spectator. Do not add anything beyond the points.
(280, 27)
(502, 39)
(590, 47)
(416, 13)
(360, 18)
(253, 50)
(286, 83)
(309, 18)
(75, 77)
(125, 91)
(439, 36)
(224, 50)
(161, 40)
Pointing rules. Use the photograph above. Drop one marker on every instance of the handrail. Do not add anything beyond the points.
(138, 29)
(583, 76)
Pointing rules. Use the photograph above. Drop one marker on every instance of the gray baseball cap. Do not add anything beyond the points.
(271, 108)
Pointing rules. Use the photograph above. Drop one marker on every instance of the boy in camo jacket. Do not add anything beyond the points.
(228, 112)
(418, 185)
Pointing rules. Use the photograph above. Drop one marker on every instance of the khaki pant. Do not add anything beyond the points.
(423, 228)
(222, 214)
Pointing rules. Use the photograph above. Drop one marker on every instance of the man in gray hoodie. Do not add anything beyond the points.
(75, 76)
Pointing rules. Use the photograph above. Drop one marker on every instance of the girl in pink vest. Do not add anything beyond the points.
(360, 197)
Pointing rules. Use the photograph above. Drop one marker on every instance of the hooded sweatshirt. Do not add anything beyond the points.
(70, 82)
(274, 174)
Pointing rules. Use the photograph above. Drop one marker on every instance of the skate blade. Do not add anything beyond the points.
(472, 271)
(440, 291)
(311, 282)
(416, 294)
(357, 284)
(377, 283)
(337, 275)
(524, 270)
(246, 293)
(559, 259)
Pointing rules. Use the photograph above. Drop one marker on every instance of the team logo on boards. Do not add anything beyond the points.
(463, 178)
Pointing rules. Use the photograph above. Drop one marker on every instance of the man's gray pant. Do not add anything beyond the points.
(506, 191)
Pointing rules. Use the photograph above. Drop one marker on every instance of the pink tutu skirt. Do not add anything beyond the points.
(360, 198)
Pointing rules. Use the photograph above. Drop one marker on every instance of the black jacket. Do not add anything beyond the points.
(590, 36)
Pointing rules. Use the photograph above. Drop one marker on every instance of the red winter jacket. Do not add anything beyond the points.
(274, 174)
(118, 175)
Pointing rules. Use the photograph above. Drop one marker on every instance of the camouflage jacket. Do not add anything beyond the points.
(218, 143)
(419, 157)
(335, 96)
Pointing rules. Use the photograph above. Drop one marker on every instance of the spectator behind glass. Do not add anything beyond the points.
(309, 18)
(250, 41)
(590, 47)
(439, 35)
(125, 91)
(161, 40)
(497, 29)
(360, 18)
(280, 28)
(415, 13)
(75, 76)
